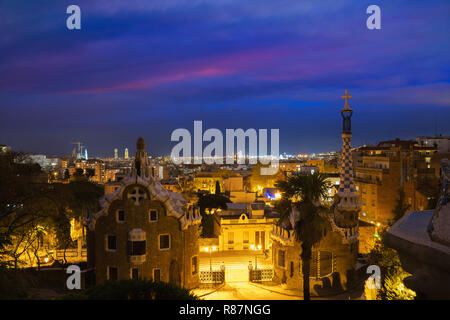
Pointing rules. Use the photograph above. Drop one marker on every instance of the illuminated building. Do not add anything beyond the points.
(234, 183)
(97, 165)
(381, 170)
(319, 163)
(170, 184)
(244, 224)
(442, 143)
(290, 166)
(242, 196)
(206, 181)
(116, 154)
(257, 181)
(126, 153)
(144, 231)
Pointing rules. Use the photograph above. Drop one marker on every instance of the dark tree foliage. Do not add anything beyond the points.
(135, 290)
(208, 204)
(90, 172)
(66, 174)
(217, 187)
(400, 205)
(431, 188)
(284, 208)
(211, 202)
(392, 273)
(30, 207)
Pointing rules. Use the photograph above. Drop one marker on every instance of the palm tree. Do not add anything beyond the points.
(306, 192)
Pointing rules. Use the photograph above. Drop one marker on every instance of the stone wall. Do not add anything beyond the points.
(345, 261)
(184, 244)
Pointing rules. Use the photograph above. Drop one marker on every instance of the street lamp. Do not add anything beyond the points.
(255, 248)
(210, 250)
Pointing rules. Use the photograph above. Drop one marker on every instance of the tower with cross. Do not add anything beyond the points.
(347, 201)
(347, 113)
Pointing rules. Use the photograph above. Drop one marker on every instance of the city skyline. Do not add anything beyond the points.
(238, 151)
(146, 69)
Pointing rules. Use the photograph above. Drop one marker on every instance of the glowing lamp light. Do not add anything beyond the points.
(210, 249)
(277, 195)
(378, 224)
(376, 235)
(46, 259)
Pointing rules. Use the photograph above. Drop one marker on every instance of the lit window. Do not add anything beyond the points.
(246, 237)
(231, 238)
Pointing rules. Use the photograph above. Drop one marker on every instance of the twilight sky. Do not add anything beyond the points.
(146, 68)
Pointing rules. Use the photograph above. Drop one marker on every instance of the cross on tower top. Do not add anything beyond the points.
(346, 97)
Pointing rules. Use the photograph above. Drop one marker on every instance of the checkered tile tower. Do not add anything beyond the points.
(346, 185)
(348, 205)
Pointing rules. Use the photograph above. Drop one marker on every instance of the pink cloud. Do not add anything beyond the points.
(276, 63)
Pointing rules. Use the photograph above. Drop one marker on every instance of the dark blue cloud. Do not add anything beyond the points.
(147, 67)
